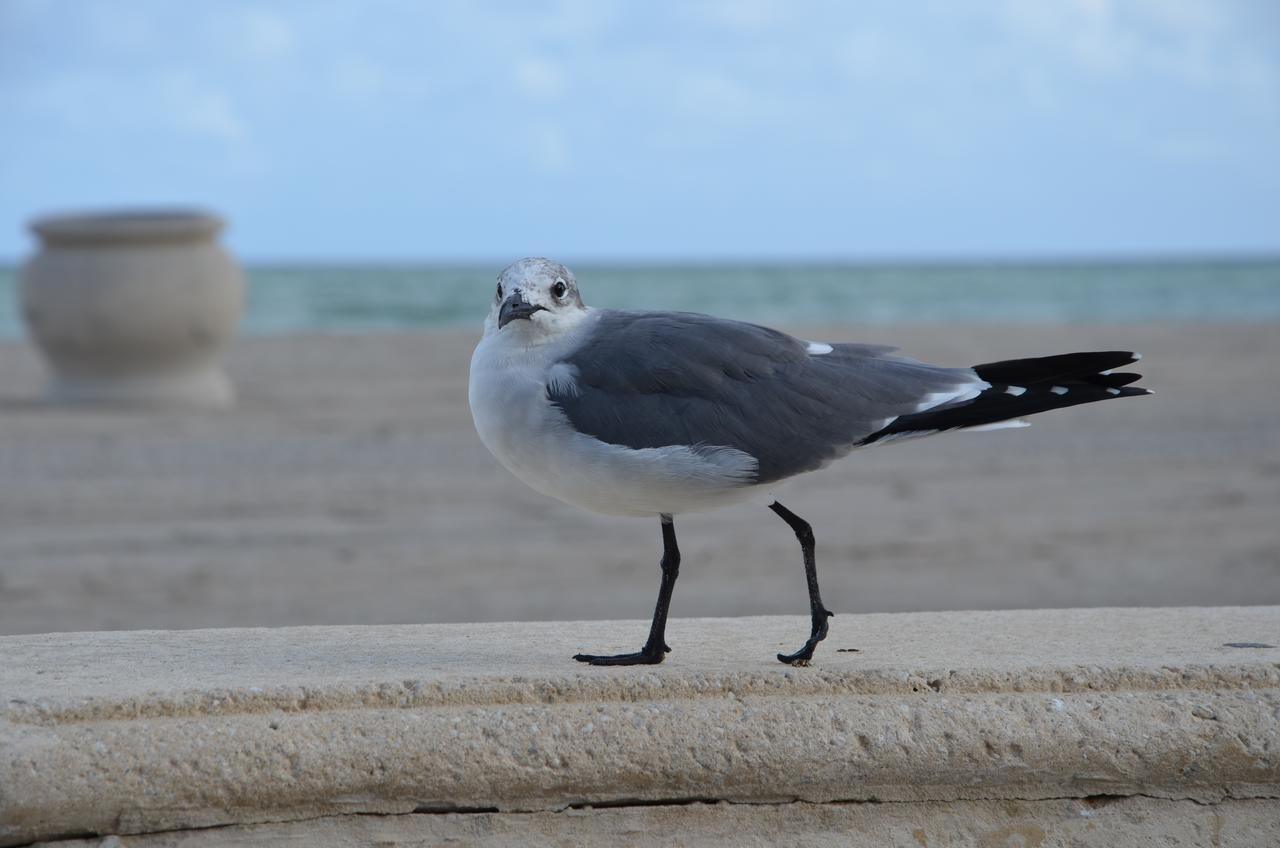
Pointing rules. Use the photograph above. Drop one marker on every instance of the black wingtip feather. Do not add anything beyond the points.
(1115, 379)
(1050, 382)
(1065, 366)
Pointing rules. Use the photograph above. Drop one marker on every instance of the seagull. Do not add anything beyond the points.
(661, 413)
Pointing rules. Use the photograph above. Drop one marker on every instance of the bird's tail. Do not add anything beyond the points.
(1021, 387)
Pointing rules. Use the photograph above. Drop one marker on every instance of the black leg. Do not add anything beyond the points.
(656, 647)
(819, 613)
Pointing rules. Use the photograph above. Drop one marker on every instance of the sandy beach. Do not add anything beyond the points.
(348, 487)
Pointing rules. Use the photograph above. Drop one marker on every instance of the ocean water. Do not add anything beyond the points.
(298, 299)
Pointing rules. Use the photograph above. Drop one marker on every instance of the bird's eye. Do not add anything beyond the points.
(499, 291)
(559, 289)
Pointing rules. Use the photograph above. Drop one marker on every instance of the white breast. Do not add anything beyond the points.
(535, 441)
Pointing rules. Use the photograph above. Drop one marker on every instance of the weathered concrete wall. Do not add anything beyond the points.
(1070, 724)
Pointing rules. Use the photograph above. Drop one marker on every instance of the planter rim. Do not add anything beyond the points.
(127, 225)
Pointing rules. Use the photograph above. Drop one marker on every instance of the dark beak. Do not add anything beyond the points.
(515, 307)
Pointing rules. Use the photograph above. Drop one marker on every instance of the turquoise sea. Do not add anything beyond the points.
(333, 298)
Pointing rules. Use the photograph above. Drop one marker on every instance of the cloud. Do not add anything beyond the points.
(121, 27)
(267, 35)
(539, 78)
(1184, 41)
(547, 148)
(877, 56)
(357, 77)
(202, 111)
(578, 20)
(710, 95)
(165, 101)
(747, 15)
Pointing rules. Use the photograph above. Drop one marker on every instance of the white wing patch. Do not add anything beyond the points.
(962, 392)
(562, 379)
(1011, 424)
(1016, 391)
(818, 348)
(884, 422)
(1058, 390)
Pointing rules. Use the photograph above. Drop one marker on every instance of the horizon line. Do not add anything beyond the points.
(995, 260)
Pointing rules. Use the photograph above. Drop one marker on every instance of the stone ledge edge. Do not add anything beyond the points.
(580, 689)
(172, 773)
(853, 819)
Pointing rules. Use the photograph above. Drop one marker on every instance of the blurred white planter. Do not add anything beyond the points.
(133, 307)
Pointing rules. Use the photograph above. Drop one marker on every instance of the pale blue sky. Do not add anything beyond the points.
(654, 130)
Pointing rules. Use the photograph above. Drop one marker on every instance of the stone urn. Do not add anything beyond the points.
(133, 307)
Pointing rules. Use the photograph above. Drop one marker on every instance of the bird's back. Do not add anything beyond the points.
(648, 379)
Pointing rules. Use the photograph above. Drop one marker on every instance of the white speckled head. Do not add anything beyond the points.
(536, 300)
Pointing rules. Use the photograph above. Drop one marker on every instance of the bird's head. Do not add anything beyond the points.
(535, 299)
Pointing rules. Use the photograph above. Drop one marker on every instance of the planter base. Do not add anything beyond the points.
(205, 388)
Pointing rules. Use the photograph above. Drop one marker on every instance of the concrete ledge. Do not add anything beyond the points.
(142, 732)
(1105, 821)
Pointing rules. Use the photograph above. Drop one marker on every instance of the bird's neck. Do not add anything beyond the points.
(541, 341)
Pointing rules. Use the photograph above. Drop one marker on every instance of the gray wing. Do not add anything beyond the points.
(653, 379)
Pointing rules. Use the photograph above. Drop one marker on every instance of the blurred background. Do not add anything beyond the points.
(968, 181)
